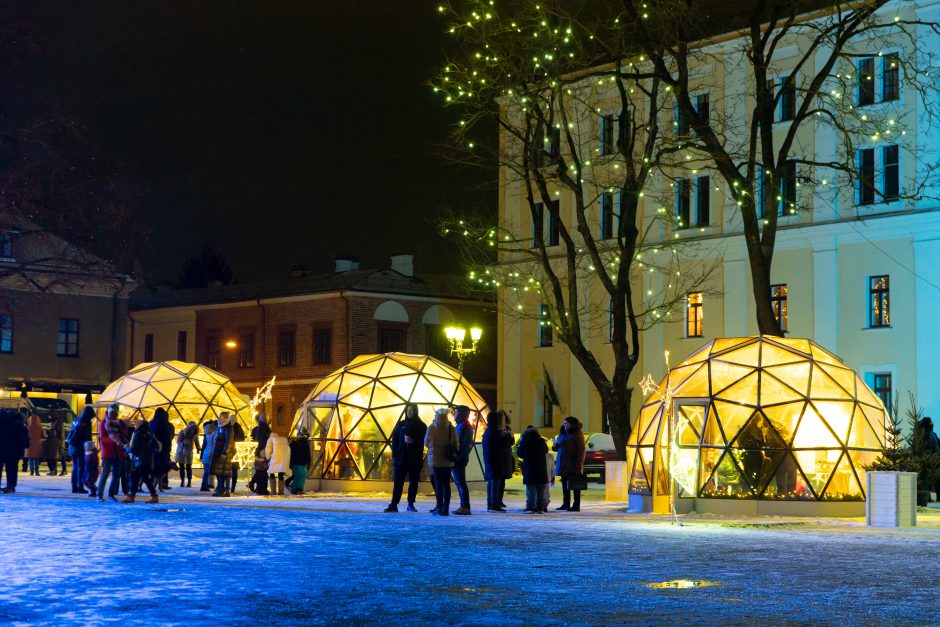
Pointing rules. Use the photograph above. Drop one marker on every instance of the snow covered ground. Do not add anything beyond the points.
(334, 559)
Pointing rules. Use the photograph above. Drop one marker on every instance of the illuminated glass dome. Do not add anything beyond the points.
(351, 413)
(758, 418)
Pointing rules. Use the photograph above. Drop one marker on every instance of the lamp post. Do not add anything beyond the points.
(457, 337)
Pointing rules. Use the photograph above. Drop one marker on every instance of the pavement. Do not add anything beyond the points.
(336, 559)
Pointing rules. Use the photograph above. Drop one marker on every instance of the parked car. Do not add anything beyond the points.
(599, 448)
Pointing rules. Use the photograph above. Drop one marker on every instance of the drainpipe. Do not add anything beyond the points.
(114, 326)
(264, 343)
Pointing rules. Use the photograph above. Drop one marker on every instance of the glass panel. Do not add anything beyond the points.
(867, 396)
(388, 417)
(694, 386)
(446, 387)
(402, 386)
(755, 459)
(134, 397)
(729, 342)
(382, 470)
(662, 473)
(838, 415)
(351, 382)
(631, 459)
(758, 467)
(744, 391)
(724, 374)
(785, 418)
(189, 394)
(817, 466)
(684, 465)
(824, 386)
(843, 376)
(732, 417)
(349, 418)
(329, 392)
(746, 356)
(813, 433)
(476, 401)
(691, 419)
(367, 368)
(425, 392)
(639, 484)
(412, 361)
(726, 480)
(821, 354)
(843, 485)
(860, 460)
(788, 482)
(343, 465)
(367, 454)
(384, 397)
(798, 344)
(699, 355)
(128, 386)
(678, 376)
(162, 373)
(877, 419)
(436, 368)
(463, 397)
(862, 435)
(392, 368)
(366, 429)
(649, 430)
(773, 392)
(758, 434)
(773, 355)
(708, 460)
(794, 375)
(712, 435)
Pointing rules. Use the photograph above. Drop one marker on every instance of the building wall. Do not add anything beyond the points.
(164, 325)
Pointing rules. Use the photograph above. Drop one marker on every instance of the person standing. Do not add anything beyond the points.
(36, 437)
(144, 448)
(112, 437)
(187, 440)
(209, 429)
(277, 452)
(531, 449)
(464, 448)
(407, 443)
(53, 446)
(223, 452)
(161, 429)
(497, 459)
(90, 478)
(238, 435)
(570, 462)
(442, 444)
(14, 439)
(78, 435)
(300, 460)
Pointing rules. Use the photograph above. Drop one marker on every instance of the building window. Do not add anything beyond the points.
(879, 302)
(436, 342)
(246, 350)
(279, 413)
(778, 301)
(607, 146)
(285, 348)
(548, 222)
(322, 345)
(702, 111)
(890, 77)
(693, 315)
(869, 85)
(891, 177)
(684, 189)
(610, 320)
(148, 347)
(881, 386)
(787, 99)
(546, 146)
(67, 338)
(548, 408)
(391, 340)
(545, 326)
(868, 188)
(866, 176)
(181, 345)
(214, 352)
(702, 201)
(6, 246)
(866, 81)
(607, 215)
(786, 200)
(683, 203)
(6, 334)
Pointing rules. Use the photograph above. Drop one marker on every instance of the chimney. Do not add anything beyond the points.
(403, 264)
(346, 264)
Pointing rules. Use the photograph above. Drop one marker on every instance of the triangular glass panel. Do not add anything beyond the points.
(860, 461)
(795, 343)
(680, 374)
(366, 430)
(821, 355)
(744, 391)
(878, 421)
(381, 469)
(392, 368)
(388, 417)
(476, 401)
(465, 397)
(813, 432)
(788, 482)
(189, 393)
(344, 465)
(759, 466)
(785, 418)
(644, 462)
(128, 387)
(724, 374)
(348, 419)
(207, 389)
(683, 468)
(368, 368)
(439, 369)
(795, 375)
(712, 435)
(727, 343)
(774, 392)
(843, 484)
(843, 376)
(823, 386)
(363, 397)
(862, 435)
(758, 433)
(726, 480)
(352, 381)
(153, 398)
(446, 387)
(134, 397)
(752, 472)
(652, 428)
(732, 417)
(637, 478)
(327, 392)
(662, 472)
(707, 462)
(695, 386)
(699, 355)
(746, 356)
(774, 355)
(415, 362)
(866, 396)
(691, 418)
(838, 415)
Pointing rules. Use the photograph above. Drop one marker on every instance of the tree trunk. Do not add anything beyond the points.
(616, 406)
(760, 284)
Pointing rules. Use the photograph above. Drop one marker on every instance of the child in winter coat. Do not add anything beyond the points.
(259, 480)
(90, 478)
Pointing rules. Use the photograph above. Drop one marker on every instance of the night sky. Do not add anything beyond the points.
(288, 132)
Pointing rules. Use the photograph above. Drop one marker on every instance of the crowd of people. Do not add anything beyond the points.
(449, 445)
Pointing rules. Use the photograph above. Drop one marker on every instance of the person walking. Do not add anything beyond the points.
(209, 429)
(569, 464)
(36, 437)
(464, 449)
(187, 440)
(531, 449)
(144, 448)
(277, 452)
(113, 436)
(442, 444)
(78, 435)
(52, 447)
(14, 439)
(161, 429)
(407, 443)
(498, 464)
(223, 452)
(300, 460)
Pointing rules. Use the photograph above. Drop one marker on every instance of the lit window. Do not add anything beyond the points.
(890, 77)
(285, 348)
(67, 338)
(879, 303)
(693, 315)
(545, 326)
(778, 301)
(6, 334)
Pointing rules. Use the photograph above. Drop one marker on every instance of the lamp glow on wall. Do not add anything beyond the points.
(457, 337)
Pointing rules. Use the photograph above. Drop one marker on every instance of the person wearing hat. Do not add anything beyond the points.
(570, 461)
(441, 441)
(143, 449)
(223, 453)
(300, 460)
(187, 440)
(113, 436)
(407, 444)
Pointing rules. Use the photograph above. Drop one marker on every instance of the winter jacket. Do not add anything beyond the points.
(144, 446)
(53, 445)
(186, 441)
(223, 451)
(440, 437)
(403, 453)
(91, 468)
(497, 453)
(36, 436)
(113, 436)
(260, 434)
(300, 452)
(465, 441)
(14, 438)
(79, 434)
(532, 450)
(162, 430)
(208, 443)
(571, 450)
(277, 451)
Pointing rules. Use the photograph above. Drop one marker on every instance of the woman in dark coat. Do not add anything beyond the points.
(497, 459)
(53, 446)
(143, 449)
(570, 461)
(14, 438)
(162, 430)
(532, 450)
(78, 435)
(223, 453)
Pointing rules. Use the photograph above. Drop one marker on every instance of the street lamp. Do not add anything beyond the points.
(457, 337)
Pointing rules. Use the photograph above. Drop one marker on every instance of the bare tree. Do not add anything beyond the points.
(576, 120)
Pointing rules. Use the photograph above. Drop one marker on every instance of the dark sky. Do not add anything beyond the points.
(288, 132)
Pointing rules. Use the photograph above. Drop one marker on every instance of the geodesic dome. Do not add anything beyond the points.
(187, 391)
(758, 418)
(351, 412)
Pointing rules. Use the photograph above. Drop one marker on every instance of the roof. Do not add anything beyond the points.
(384, 281)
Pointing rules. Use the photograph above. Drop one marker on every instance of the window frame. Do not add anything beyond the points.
(703, 200)
(317, 358)
(70, 348)
(6, 334)
(214, 350)
(546, 335)
(148, 347)
(694, 315)
(246, 348)
(870, 93)
(390, 327)
(286, 351)
(683, 203)
(886, 72)
(882, 318)
(181, 342)
(606, 137)
(606, 213)
(780, 305)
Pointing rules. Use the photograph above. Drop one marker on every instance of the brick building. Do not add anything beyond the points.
(303, 328)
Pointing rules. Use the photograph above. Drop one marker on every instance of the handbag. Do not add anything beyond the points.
(577, 482)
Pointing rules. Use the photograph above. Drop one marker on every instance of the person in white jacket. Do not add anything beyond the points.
(277, 451)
